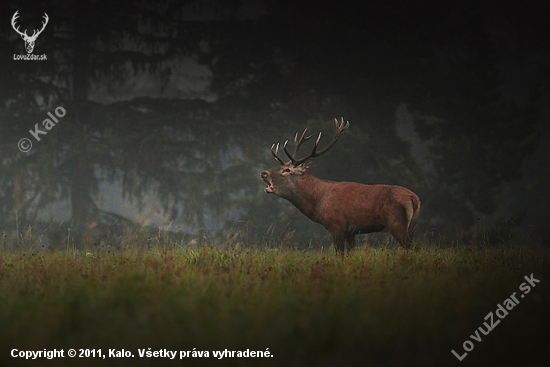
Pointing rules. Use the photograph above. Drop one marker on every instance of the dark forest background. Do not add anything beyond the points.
(173, 105)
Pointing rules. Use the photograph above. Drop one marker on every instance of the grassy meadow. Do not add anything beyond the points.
(376, 307)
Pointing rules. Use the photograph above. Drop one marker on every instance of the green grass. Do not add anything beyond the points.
(376, 307)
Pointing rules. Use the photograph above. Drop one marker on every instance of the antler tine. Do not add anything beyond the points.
(315, 146)
(13, 19)
(275, 151)
(291, 156)
(299, 139)
(297, 144)
(318, 139)
(35, 33)
(340, 126)
(44, 23)
(302, 139)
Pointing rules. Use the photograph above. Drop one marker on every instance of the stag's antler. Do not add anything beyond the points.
(340, 126)
(275, 152)
(297, 143)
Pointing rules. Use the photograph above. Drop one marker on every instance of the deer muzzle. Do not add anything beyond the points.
(267, 179)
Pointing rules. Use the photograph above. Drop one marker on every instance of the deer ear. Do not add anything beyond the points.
(302, 167)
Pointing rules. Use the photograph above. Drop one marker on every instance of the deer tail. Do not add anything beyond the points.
(415, 204)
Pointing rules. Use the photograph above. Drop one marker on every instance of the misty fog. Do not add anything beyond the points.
(171, 111)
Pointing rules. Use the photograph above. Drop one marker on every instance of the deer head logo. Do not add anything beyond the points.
(29, 40)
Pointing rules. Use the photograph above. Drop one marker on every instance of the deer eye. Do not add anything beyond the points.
(286, 170)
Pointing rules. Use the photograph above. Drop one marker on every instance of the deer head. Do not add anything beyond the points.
(29, 40)
(282, 181)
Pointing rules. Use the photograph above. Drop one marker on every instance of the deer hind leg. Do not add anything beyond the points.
(415, 209)
(404, 237)
(400, 226)
(403, 222)
(401, 234)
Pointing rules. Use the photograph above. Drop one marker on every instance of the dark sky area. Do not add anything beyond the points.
(172, 106)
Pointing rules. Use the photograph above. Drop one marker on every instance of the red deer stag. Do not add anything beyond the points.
(344, 208)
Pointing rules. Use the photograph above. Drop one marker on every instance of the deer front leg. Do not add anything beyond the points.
(339, 241)
(343, 243)
(350, 242)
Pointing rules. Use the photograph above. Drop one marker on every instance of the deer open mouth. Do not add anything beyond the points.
(269, 189)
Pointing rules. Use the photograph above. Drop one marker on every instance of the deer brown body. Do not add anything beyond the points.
(345, 209)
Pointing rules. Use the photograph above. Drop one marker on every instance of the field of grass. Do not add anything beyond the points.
(376, 307)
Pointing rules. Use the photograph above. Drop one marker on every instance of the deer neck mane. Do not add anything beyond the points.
(308, 192)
